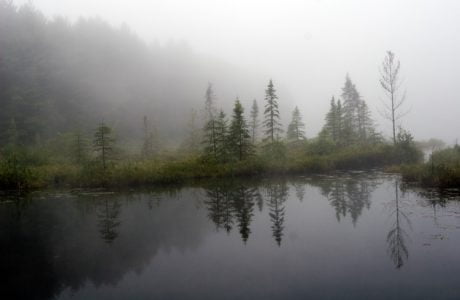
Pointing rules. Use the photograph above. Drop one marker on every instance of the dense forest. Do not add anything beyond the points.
(88, 104)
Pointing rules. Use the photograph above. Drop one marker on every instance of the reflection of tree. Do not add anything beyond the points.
(396, 237)
(108, 219)
(243, 201)
(299, 190)
(348, 195)
(276, 197)
(215, 202)
(229, 204)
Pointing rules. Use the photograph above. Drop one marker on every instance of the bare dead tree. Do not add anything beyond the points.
(391, 84)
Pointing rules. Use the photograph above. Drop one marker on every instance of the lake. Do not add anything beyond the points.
(358, 235)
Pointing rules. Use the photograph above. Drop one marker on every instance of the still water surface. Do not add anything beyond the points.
(348, 236)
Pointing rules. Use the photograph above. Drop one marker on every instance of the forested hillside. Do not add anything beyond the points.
(58, 76)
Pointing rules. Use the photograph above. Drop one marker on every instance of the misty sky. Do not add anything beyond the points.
(309, 46)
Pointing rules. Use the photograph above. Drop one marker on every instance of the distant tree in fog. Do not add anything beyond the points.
(254, 122)
(296, 129)
(271, 114)
(103, 143)
(222, 137)
(334, 122)
(391, 83)
(150, 144)
(210, 129)
(192, 142)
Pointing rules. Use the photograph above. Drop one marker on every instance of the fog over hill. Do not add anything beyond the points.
(159, 52)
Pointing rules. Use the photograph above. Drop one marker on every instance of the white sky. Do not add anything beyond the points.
(308, 46)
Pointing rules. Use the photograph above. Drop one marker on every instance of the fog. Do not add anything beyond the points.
(307, 48)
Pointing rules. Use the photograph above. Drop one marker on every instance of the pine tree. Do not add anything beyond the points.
(271, 114)
(103, 143)
(210, 125)
(239, 138)
(339, 123)
(222, 137)
(334, 119)
(209, 104)
(365, 122)
(351, 102)
(254, 121)
(296, 129)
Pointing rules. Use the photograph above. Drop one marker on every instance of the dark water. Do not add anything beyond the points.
(350, 236)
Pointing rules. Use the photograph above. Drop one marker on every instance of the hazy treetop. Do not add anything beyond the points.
(309, 46)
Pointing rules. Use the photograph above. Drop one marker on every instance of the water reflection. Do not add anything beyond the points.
(61, 243)
(348, 195)
(277, 194)
(108, 215)
(397, 236)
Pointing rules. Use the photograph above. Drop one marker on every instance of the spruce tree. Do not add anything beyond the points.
(334, 120)
(254, 121)
(222, 137)
(365, 122)
(210, 144)
(296, 129)
(239, 138)
(103, 143)
(272, 116)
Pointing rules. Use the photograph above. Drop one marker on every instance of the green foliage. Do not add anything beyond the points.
(240, 144)
(15, 172)
(405, 149)
(441, 170)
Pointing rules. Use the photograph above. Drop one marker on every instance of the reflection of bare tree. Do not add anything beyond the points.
(108, 219)
(396, 237)
(276, 197)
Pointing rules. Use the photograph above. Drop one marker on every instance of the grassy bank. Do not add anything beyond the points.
(441, 170)
(32, 171)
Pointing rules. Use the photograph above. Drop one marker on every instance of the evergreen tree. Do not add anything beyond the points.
(239, 138)
(271, 114)
(210, 125)
(254, 121)
(334, 120)
(222, 137)
(351, 102)
(103, 143)
(209, 104)
(365, 122)
(296, 129)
